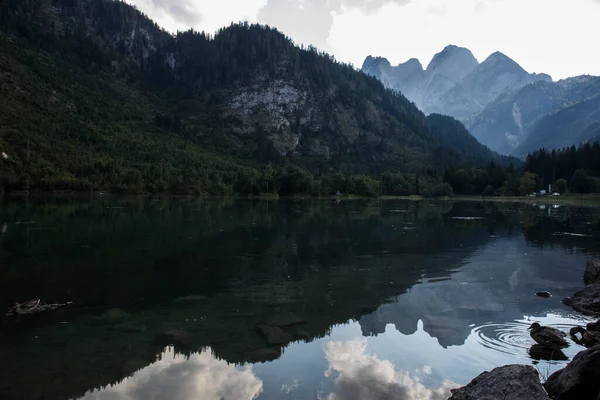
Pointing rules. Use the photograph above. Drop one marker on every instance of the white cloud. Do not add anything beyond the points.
(175, 376)
(542, 35)
(363, 376)
(202, 15)
(550, 36)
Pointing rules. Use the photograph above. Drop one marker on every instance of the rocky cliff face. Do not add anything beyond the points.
(409, 78)
(453, 62)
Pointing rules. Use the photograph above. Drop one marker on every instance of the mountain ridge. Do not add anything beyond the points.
(117, 103)
(455, 82)
(505, 107)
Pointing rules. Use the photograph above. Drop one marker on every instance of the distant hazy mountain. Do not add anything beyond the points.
(505, 107)
(454, 83)
(544, 114)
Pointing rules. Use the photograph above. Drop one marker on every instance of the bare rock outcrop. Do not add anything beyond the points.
(509, 382)
(580, 379)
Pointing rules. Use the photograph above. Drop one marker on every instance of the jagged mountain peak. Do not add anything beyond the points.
(499, 58)
(413, 63)
(451, 51)
(376, 60)
(453, 62)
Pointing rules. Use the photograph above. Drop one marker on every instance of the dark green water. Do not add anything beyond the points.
(298, 299)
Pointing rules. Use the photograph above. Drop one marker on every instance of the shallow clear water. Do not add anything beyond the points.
(297, 299)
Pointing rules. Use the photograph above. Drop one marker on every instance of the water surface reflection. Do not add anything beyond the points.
(177, 376)
(284, 299)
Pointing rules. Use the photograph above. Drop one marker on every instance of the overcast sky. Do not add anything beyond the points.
(559, 37)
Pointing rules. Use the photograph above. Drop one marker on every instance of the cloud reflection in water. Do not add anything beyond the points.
(176, 376)
(364, 376)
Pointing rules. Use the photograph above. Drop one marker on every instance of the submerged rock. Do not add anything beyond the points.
(544, 294)
(114, 316)
(592, 272)
(284, 320)
(587, 300)
(580, 379)
(274, 334)
(131, 328)
(191, 299)
(238, 315)
(509, 382)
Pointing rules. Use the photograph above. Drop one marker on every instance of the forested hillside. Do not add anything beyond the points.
(574, 168)
(97, 97)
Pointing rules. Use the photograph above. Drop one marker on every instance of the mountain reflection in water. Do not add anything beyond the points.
(280, 299)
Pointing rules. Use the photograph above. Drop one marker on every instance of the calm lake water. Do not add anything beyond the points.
(288, 299)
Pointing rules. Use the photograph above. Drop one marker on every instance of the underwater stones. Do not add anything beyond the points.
(592, 272)
(509, 382)
(274, 334)
(284, 320)
(580, 379)
(238, 315)
(191, 299)
(131, 328)
(586, 301)
(114, 316)
(544, 294)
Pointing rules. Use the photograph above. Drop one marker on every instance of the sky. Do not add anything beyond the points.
(557, 37)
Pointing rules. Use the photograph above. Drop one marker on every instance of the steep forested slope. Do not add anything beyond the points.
(98, 96)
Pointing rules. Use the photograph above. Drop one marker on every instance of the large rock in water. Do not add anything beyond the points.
(580, 379)
(592, 272)
(587, 300)
(509, 382)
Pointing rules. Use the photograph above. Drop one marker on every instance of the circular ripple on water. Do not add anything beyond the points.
(510, 338)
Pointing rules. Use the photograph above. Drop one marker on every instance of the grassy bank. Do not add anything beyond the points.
(567, 199)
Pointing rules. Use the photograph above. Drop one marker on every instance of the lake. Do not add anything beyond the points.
(154, 298)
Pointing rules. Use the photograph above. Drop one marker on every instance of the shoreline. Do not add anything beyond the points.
(583, 200)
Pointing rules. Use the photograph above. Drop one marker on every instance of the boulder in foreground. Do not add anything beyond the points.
(580, 379)
(586, 301)
(509, 382)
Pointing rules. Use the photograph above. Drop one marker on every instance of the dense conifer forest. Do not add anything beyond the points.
(99, 98)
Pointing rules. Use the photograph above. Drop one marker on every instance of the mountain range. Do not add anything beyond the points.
(505, 107)
(115, 102)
